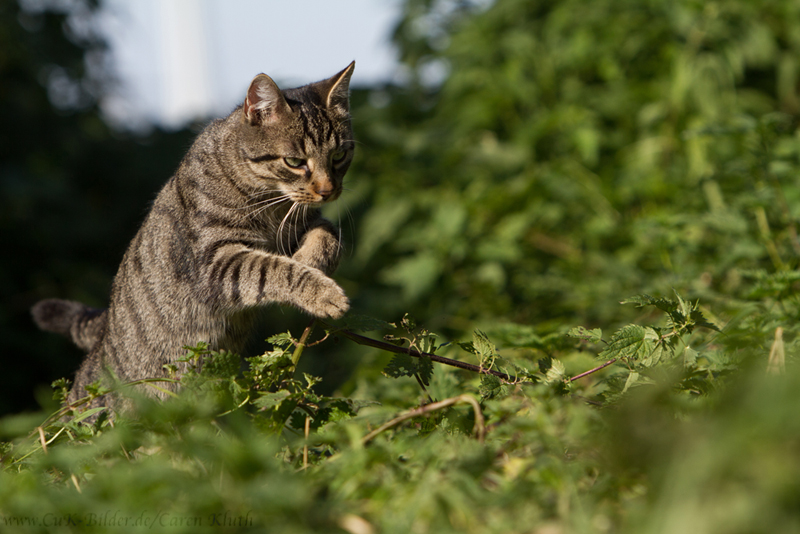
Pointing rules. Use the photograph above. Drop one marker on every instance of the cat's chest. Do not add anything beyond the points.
(236, 330)
(280, 235)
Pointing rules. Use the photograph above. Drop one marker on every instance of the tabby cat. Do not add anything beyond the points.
(236, 228)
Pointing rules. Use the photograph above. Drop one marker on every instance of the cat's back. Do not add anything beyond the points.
(155, 295)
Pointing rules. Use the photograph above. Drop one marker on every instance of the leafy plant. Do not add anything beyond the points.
(569, 155)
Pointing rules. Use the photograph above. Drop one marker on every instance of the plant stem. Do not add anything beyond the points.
(362, 340)
(301, 344)
(479, 428)
(422, 385)
(590, 371)
(306, 431)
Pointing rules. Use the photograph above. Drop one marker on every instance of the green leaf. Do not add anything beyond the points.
(97, 389)
(425, 369)
(408, 323)
(469, 347)
(271, 400)
(662, 304)
(491, 387)
(311, 381)
(689, 357)
(590, 336)
(633, 378)
(87, 413)
(221, 364)
(365, 323)
(484, 349)
(61, 389)
(699, 319)
(284, 339)
(556, 372)
(655, 357)
(400, 365)
(632, 342)
(520, 335)
(684, 308)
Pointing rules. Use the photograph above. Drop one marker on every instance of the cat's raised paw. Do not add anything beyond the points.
(331, 302)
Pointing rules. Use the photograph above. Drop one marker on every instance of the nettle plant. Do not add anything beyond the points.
(278, 402)
(518, 417)
(644, 352)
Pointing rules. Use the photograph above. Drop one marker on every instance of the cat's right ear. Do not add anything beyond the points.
(264, 101)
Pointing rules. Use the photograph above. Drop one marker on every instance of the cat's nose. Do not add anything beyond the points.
(324, 189)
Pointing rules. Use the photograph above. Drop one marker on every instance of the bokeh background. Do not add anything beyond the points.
(522, 166)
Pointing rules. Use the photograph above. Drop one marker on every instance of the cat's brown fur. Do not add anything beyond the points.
(237, 227)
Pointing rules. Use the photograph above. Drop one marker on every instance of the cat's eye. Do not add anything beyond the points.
(338, 156)
(295, 163)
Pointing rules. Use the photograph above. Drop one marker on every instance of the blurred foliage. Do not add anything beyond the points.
(577, 153)
(687, 449)
(73, 190)
(603, 188)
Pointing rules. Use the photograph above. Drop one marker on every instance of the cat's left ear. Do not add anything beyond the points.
(264, 101)
(335, 91)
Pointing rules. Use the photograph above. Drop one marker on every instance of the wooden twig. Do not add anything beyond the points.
(42, 440)
(478, 428)
(590, 371)
(306, 431)
(369, 342)
(75, 481)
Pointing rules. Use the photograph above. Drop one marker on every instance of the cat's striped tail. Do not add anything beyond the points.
(82, 324)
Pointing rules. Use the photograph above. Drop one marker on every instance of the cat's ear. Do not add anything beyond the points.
(264, 101)
(335, 91)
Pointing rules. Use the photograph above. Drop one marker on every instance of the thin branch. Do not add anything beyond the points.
(422, 385)
(590, 371)
(42, 439)
(478, 428)
(369, 342)
(306, 431)
(75, 481)
(301, 344)
(317, 342)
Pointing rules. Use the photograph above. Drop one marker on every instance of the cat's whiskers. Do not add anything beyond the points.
(263, 194)
(340, 244)
(299, 214)
(279, 236)
(260, 198)
(262, 205)
(270, 201)
(297, 217)
(352, 140)
(339, 226)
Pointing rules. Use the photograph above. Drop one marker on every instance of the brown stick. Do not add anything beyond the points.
(590, 371)
(478, 428)
(369, 342)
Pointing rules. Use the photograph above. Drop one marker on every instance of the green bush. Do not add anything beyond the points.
(594, 203)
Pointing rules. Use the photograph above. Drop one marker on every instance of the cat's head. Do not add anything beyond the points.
(299, 141)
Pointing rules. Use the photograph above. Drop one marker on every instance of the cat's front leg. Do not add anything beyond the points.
(320, 247)
(239, 277)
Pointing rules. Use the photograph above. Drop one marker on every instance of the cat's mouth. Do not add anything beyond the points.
(316, 199)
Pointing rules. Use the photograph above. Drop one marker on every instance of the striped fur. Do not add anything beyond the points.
(237, 227)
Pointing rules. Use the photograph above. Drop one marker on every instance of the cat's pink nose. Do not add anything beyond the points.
(324, 190)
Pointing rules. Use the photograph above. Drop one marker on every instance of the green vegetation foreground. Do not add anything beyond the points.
(546, 162)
